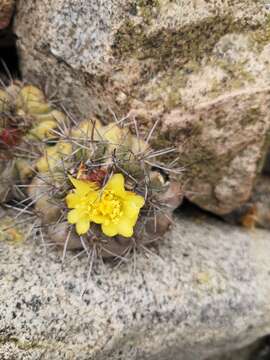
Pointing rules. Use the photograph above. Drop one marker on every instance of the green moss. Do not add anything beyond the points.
(198, 160)
(235, 70)
(168, 88)
(23, 345)
(167, 52)
(261, 36)
(237, 77)
(168, 55)
(147, 8)
(251, 116)
(167, 46)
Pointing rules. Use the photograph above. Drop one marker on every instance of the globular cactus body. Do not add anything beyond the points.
(66, 167)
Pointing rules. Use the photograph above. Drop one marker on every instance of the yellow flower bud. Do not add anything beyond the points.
(43, 130)
(32, 101)
(85, 129)
(24, 169)
(53, 157)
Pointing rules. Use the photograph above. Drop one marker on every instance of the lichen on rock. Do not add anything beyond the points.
(152, 59)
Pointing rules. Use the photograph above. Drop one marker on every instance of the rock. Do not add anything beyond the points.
(6, 12)
(98, 53)
(166, 61)
(225, 147)
(256, 211)
(205, 292)
(266, 168)
(259, 350)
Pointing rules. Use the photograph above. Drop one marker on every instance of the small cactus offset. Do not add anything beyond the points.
(90, 184)
(26, 121)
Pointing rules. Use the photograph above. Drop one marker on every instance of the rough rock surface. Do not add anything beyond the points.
(256, 211)
(202, 61)
(259, 350)
(6, 11)
(206, 292)
(226, 165)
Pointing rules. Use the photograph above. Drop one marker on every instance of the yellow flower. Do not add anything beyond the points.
(82, 201)
(118, 209)
(113, 207)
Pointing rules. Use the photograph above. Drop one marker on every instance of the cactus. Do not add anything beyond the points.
(57, 160)
(31, 102)
(93, 153)
(8, 174)
(27, 120)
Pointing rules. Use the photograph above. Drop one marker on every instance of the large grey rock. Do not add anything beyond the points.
(206, 61)
(97, 52)
(207, 291)
(229, 138)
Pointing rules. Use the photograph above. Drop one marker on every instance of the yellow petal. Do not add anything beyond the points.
(116, 184)
(134, 199)
(82, 226)
(97, 218)
(74, 216)
(82, 187)
(130, 212)
(109, 230)
(72, 200)
(93, 197)
(132, 205)
(125, 227)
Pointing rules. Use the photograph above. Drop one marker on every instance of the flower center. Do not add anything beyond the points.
(110, 206)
